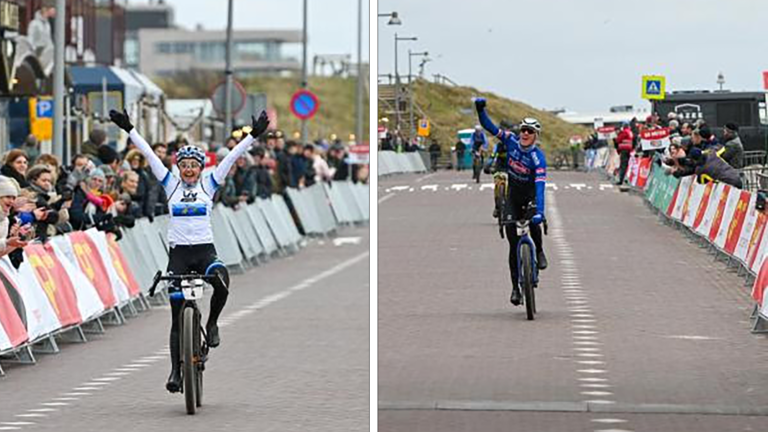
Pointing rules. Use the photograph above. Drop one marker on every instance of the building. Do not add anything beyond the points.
(262, 52)
(157, 15)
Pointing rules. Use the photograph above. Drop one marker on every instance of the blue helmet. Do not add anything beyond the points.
(190, 152)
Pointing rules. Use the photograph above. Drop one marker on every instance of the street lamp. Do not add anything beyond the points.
(394, 19)
(410, 86)
(397, 78)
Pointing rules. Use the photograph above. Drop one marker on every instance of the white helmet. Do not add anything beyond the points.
(532, 123)
(478, 127)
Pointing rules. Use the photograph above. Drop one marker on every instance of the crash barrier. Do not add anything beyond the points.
(76, 283)
(723, 218)
(400, 163)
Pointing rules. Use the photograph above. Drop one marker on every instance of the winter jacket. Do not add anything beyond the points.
(733, 152)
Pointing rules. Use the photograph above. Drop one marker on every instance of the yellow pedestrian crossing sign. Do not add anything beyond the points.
(424, 128)
(654, 87)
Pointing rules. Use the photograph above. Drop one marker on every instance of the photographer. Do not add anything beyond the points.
(50, 209)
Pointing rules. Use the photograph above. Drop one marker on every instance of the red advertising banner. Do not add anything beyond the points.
(703, 205)
(757, 238)
(654, 139)
(9, 316)
(673, 202)
(56, 284)
(93, 267)
(760, 283)
(737, 223)
(121, 267)
(644, 171)
(719, 214)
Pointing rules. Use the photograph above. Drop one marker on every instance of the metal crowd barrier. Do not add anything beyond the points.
(247, 236)
(400, 163)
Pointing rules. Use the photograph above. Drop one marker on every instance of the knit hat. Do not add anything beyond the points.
(8, 187)
(97, 173)
(732, 127)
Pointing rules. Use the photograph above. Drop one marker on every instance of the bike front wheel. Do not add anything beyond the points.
(526, 280)
(189, 368)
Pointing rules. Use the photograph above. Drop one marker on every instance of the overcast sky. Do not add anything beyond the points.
(332, 24)
(584, 55)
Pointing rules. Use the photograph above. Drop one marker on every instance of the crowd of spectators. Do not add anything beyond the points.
(694, 149)
(40, 196)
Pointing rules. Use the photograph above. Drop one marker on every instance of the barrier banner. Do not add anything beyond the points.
(643, 171)
(91, 265)
(757, 254)
(655, 139)
(703, 206)
(712, 203)
(12, 330)
(682, 193)
(718, 217)
(728, 216)
(39, 316)
(99, 239)
(88, 302)
(653, 185)
(55, 283)
(666, 193)
(632, 170)
(122, 268)
(694, 202)
(736, 225)
(758, 289)
(755, 239)
(747, 231)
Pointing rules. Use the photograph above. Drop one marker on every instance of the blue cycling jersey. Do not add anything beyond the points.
(526, 167)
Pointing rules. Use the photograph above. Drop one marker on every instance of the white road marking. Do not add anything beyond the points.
(32, 415)
(17, 423)
(77, 394)
(609, 420)
(591, 362)
(596, 393)
(485, 186)
(41, 410)
(600, 402)
(53, 404)
(552, 186)
(604, 186)
(591, 385)
(399, 188)
(695, 338)
(593, 379)
(385, 197)
(458, 187)
(340, 241)
(9, 428)
(107, 379)
(433, 188)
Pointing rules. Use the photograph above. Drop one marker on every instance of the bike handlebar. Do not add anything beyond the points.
(172, 277)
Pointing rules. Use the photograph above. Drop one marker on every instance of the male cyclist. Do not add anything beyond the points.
(190, 236)
(526, 167)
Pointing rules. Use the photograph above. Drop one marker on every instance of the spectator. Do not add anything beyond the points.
(143, 198)
(309, 160)
(709, 140)
(244, 180)
(50, 210)
(10, 237)
(39, 29)
(323, 173)
(31, 147)
(298, 164)
(434, 154)
(81, 166)
(129, 185)
(156, 191)
(707, 166)
(96, 138)
(283, 174)
(90, 203)
(733, 149)
(15, 167)
(624, 146)
(337, 161)
(109, 156)
(262, 176)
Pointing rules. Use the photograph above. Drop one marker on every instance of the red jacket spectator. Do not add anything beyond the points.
(624, 139)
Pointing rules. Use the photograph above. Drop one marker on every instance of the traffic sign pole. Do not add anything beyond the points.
(58, 79)
(304, 71)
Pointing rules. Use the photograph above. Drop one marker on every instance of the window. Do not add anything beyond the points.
(763, 113)
(183, 48)
(251, 51)
(163, 48)
(211, 52)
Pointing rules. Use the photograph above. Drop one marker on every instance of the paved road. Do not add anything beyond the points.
(294, 357)
(638, 330)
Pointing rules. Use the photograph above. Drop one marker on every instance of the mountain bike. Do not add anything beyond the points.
(194, 349)
(527, 268)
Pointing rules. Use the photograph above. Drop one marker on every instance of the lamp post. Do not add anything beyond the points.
(397, 78)
(304, 70)
(359, 95)
(394, 18)
(410, 87)
(58, 79)
(228, 77)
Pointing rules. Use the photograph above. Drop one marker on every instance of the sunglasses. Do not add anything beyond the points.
(528, 131)
(188, 165)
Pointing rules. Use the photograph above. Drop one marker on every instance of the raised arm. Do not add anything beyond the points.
(257, 128)
(124, 122)
(486, 121)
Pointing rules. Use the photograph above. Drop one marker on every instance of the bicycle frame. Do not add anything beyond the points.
(523, 228)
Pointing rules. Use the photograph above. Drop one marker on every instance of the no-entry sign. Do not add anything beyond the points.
(304, 104)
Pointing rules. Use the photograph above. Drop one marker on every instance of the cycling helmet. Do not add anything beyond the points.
(532, 123)
(190, 152)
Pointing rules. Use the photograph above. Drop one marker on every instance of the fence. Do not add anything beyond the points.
(400, 163)
(76, 283)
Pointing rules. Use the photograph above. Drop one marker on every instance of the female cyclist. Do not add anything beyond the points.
(190, 237)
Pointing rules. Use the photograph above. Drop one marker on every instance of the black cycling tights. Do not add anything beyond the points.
(201, 259)
(516, 203)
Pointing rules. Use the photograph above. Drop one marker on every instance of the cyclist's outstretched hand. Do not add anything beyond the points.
(258, 126)
(121, 119)
(537, 219)
(480, 103)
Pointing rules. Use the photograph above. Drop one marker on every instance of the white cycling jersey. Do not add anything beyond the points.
(190, 206)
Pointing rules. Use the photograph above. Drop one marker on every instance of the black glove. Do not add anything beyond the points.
(121, 119)
(259, 126)
(480, 104)
(487, 170)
